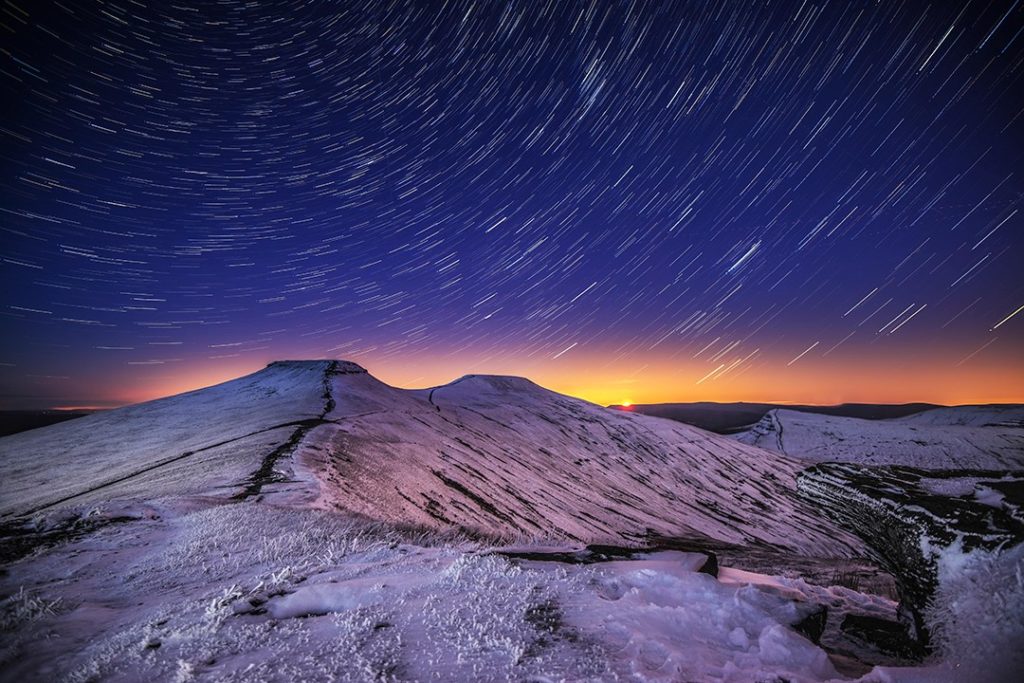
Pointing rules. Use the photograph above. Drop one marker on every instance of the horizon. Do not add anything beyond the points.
(87, 405)
(274, 275)
(643, 203)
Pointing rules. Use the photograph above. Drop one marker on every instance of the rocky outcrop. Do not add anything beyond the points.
(909, 516)
(766, 433)
(887, 636)
(813, 625)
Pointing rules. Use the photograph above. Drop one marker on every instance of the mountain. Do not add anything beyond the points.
(199, 442)
(919, 489)
(309, 522)
(728, 418)
(978, 437)
(15, 421)
(495, 456)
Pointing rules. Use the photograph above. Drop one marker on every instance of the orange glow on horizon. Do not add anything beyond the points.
(78, 408)
(601, 378)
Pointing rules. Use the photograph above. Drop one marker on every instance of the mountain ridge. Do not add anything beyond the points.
(495, 455)
(731, 417)
(981, 437)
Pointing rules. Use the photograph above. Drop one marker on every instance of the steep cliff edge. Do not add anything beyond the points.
(910, 518)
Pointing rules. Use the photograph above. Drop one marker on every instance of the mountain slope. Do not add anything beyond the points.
(729, 418)
(505, 457)
(496, 456)
(181, 444)
(1004, 416)
(980, 437)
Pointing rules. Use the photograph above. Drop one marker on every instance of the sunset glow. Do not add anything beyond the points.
(589, 374)
(727, 205)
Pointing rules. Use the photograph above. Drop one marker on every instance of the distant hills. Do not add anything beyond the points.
(14, 421)
(729, 418)
(985, 436)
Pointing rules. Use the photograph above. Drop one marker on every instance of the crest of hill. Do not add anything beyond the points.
(493, 455)
(961, 437)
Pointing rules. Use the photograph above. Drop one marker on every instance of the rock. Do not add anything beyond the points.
(710, 566)
(891, 637)
(813, 625)
(597, 553)
(907, 516)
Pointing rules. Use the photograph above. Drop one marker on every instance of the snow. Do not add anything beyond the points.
(970, 416)
(219, 593)
(499, 457)
(979, 437)
(969, 485)
(309, 522)
(989, 496)
(507, 459)
(666, 625)
(222, 425)
(978, 613)
(977, 617)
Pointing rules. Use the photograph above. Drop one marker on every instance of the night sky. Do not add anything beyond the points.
(791, 201)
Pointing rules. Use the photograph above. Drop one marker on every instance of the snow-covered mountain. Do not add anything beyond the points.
(912, 487)
(311, 522)
(194, 443)
(980, 437)
(496, 456)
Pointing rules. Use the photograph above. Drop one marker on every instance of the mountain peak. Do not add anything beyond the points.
(503, 382)
(335, 367)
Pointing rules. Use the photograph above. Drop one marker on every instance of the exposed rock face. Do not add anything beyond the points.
(908, 516)
(888, 636)
(813, 625)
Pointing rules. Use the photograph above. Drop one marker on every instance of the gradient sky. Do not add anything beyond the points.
(781, 201)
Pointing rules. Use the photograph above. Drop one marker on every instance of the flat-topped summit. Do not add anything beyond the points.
(494, 383)
(335, 367)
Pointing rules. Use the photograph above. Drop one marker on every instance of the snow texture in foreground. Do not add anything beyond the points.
(978, 614)
(222, 594)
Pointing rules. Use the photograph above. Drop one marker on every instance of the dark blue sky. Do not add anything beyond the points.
(504, 187)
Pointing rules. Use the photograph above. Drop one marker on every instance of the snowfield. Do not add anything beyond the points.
(187, 443)
(505, 458)
(963, 437)
(309, 522)
(184, 591)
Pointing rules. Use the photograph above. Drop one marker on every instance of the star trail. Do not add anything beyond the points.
(799, 201)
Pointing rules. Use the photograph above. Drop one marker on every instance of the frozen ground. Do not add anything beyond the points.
(199, 440)
(184, 590)
(964, 437)
(504, 457)
(311, 523)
